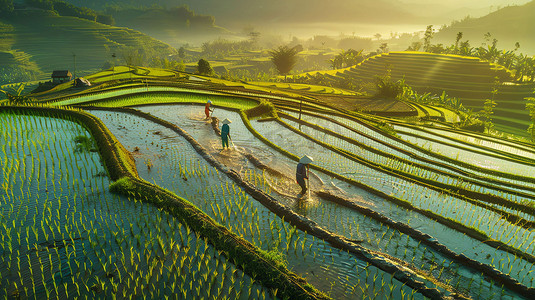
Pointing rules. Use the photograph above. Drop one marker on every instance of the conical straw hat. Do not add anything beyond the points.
(226, 121)
(306, 159)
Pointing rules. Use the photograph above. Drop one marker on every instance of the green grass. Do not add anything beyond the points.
(471, 214)
(467, 78)
(52, 40)
(304, 87)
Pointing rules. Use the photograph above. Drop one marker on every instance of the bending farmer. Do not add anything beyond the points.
(225, 133)
(302, 172)
(207, 109)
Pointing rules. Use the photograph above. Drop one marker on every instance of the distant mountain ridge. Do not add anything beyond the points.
(228, 11)
(176, 25)
(508, 25)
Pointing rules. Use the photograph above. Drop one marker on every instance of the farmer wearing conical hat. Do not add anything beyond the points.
(225, 133)
(207, 109)
(302, 172)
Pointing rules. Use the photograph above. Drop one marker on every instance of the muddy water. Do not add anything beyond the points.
(492, 143)
(62, 227)
(369, 142)
(328, 215)
(419, 195)
(381, 160)
(176, 166)
(499, 163)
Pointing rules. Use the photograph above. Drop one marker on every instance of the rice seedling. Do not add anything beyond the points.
(230, 205)
(71, 222)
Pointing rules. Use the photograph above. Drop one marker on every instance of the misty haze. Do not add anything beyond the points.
(285, 149)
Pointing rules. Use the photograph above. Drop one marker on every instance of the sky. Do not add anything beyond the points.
(455, 9)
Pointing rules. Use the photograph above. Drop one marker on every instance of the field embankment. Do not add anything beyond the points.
(36, 42)
(470, 79)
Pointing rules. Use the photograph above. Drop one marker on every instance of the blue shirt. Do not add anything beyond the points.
(301, 171)
(225, 130)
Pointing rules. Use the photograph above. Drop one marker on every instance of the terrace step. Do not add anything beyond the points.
(468, 78)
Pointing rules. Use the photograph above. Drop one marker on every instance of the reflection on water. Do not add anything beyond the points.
(184, 172)
(330, 216)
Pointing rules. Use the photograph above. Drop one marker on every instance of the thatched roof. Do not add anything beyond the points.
(61, 74)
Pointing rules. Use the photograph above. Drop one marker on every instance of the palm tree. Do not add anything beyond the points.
(337, 62)
(428, 35)
(15, 95)
(487, 112)
(530, 106)
(506, 58)
(347, 58)
(457, 40)
(465, 49)
(284, 59)
(523, 66)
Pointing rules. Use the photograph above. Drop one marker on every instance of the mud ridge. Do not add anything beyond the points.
(379, 260)
(428, 240)
(120, 166)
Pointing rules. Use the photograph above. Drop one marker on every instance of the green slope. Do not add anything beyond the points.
(49, 41)
(468, 78)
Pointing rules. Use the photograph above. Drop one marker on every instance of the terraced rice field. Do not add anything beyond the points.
(65, 235)
(37, 34)
(427, 212)
(469, 79)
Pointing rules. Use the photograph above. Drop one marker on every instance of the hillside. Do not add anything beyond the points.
(467, 78)
(176, 26)
(508, 25)
(43, 41)
(255, 11)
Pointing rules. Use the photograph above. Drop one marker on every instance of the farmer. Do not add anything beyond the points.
(207, 109)
(302, 172)
(225, 133)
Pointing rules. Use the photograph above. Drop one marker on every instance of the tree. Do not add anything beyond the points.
(437, 48)
(465, 48)
(523, 67)
(383, 48)
(491, 52)
(415, 46)
(42, 4)
(487, 36)
(457, 40)
(337, 62)
(506, 58)
(131, 56)
(488, 107)
(182, 52)
(204, 68)
(106, 19)
(427, 37)
(386, 88)
(6, 6)
(517, 45)
(284, 59)
(487, 112)
(254, 36)
(530, 106)
(347, 58)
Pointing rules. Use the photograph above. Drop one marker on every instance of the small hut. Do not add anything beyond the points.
(61, 76)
